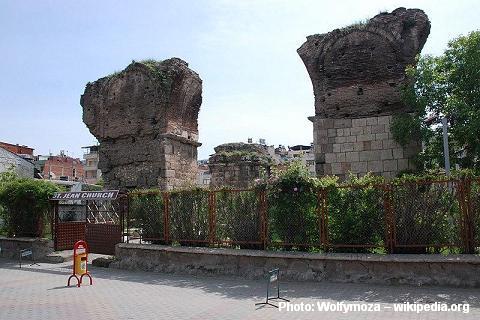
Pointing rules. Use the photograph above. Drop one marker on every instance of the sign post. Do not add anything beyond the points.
(80, 259)
(272, 279)
(26, 253)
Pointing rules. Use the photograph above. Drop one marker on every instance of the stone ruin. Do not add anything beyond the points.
(145, 118)
(357, 74)
(237, 165)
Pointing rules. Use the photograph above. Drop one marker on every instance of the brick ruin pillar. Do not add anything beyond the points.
(145, 118)
(357, 73)
(237, 165)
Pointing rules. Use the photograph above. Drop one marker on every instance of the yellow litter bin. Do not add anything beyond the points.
(80, 259)
(81, 264)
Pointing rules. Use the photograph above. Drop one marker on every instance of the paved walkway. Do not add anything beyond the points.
(40, 293)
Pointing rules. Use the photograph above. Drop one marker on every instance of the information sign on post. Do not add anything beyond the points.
(272, 281)
(25, 253)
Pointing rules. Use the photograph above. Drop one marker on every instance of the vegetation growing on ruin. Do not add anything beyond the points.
(230, 156)
(154, 67)
(356, 24)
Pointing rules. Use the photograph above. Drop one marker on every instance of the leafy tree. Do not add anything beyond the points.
(445, 86)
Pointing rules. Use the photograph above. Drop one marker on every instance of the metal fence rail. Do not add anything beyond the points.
(407, 217)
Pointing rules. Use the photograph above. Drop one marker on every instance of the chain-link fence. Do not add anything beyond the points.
(146, 217)
(356, 218)
(238, 218)
(292, 219)
(427, 216)
(407, 217)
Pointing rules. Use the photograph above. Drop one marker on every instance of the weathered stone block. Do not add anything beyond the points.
(387, 154)
(381, 136)
(342, 123)
(340, 139)
(331, 158)
(325, 123)
(322, 133)
(327, 168)
(340, 157)
(379, 128)
(366, 137)
(356, 123)
(359, 167)
(351, 139)
(370, 155)
(352, 157)
(358, 146)
(347, 147)
(390, 165)
(376, 145)
(397, 153)
(356, 131)
(402, 164)
(337, 168)
(320, 157)
(384, 120)
(375, 166)
(389, 144)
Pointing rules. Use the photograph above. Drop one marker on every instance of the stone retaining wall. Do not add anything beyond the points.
(10, 247)
(454, 270)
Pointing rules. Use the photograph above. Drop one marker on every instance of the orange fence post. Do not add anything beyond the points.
(467, 230)
(166, 218)
(389, 218)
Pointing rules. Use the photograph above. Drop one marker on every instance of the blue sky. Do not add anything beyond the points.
(254, 83)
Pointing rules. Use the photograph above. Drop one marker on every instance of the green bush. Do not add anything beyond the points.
(189, 216)
(25, 205)
(146, 214)
(356, 215)
(292, 203)
(425, 213)
(238, 217)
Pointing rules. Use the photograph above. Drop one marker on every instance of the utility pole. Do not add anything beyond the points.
(446, 153)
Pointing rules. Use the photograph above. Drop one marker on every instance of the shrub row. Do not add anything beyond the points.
(24, 205)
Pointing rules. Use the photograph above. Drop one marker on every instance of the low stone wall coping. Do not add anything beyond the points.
(23, 239)
(362, 257)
